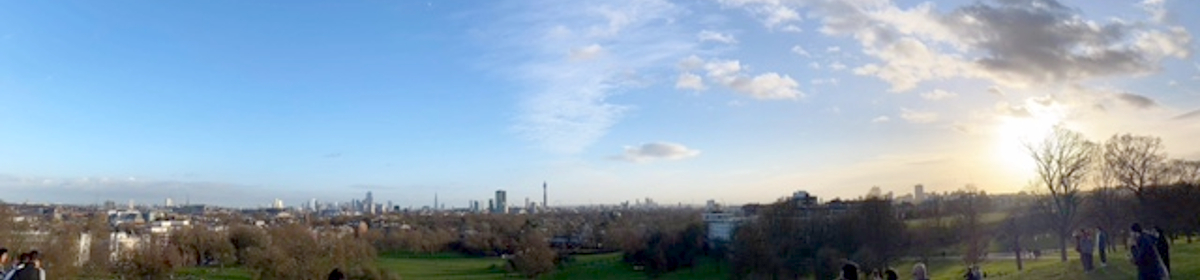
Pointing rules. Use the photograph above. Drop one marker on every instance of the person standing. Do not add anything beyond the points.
(1164, 248)
(336, 274)
(3, 262)
(1102, 246)
(849, 272)
(919, 272)
(1145, 256)
(32, 269)
(1086, 247)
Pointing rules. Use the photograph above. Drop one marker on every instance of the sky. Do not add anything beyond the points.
(238, 103)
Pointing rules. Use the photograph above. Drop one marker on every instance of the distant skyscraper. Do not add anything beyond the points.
(369, 204)
(918, 193)
(501, 202)
(545, 201)
(278, 204)
(435, 201)
(169, 203)
(491, 205)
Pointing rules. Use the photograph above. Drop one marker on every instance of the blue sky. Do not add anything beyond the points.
(236, 103)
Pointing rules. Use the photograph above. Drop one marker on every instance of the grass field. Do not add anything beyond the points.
(1185, 265)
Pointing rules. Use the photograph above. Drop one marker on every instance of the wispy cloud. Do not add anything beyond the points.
(656, 151)
(938, 94)
(708, 35)
(573, 55)
(920, 117)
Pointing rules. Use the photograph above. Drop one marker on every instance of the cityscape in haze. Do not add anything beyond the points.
(600, 139)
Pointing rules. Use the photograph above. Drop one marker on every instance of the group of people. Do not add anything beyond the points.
(1089, 242)
(850, 271)
(27, 267)
(1150, 251)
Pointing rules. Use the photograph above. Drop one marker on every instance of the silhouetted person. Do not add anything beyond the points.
(849, 272)
(1102, 245)
(919, 272)
(973, 273)
(890, 274)
(1145, 255)
(336, 274)
(1164, 247)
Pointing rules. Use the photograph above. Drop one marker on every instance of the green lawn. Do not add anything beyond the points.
(459, 267)
(1185, 262)
(1185, 265)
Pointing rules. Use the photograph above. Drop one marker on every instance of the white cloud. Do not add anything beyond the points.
(762, 86)
(690, 81)
(834, 49)
(772, 12)
(827, 81)
(913, 116)
(656, 151)
(881, 119)
(792, 28)
(938, 94)
(814, 65)
(707, 35)
(797, 49)
(837, 66)
(1010, 43)
(586, 53)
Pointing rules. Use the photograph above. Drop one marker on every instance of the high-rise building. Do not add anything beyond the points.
(278, 204)
(435, 202)
(918, 193)
(369, 204)
(501, 202)
(169, 203)
(545, 201)
(491, 205)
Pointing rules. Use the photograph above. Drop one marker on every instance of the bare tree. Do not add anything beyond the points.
(1184, 171)
(1135, 162)
(1063, 160)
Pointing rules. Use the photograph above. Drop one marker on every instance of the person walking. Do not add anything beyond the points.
(1164, 247)
(1102, 246)
(1145, 256)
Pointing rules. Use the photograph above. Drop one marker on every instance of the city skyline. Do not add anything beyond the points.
(240, 104)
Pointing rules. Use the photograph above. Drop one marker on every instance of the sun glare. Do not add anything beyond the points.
(1013, 133)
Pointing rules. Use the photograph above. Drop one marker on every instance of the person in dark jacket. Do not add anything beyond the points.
(336, 274)
(1102, 246)
(31, 269)
(849, 272)
(1163, 246)
(1145, 255)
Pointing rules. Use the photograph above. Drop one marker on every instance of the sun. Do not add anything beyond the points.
(1014, 133)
